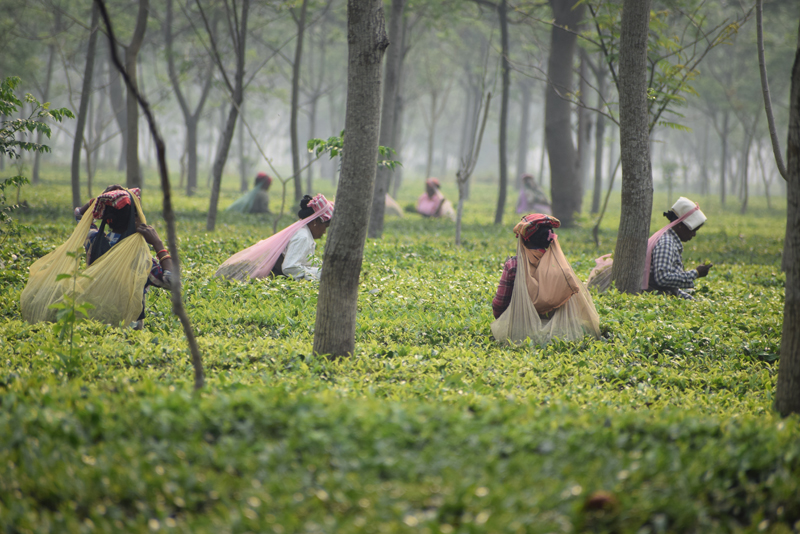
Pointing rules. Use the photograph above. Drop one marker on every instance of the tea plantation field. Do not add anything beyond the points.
(663, 425)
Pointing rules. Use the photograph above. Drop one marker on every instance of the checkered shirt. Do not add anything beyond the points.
(666, 270)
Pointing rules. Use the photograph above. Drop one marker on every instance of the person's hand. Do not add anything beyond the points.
(702, 270)
(150, 235)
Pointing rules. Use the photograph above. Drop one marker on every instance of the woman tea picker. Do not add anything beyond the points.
(539, 296)
(119, 266)
(664, 270)
(287, 253)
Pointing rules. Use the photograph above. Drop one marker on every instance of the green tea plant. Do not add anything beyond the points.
(12, 147)
(663, 425)
(69, 313)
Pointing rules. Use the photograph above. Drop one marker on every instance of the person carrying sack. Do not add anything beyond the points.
(539, 296)
(119, 266)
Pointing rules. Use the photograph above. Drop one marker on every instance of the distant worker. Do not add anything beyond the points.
(432, 203)
(539, 296)
(257, 199)
(532, 197)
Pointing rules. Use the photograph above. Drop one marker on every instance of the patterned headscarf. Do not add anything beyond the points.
(117, 199)
(433, 182)
(532, 222)
(321, 204)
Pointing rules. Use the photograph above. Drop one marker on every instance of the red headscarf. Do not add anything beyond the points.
(531, 222)
(118, 199)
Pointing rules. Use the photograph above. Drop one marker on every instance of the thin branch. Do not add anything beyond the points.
(169, 214)
(762, 64)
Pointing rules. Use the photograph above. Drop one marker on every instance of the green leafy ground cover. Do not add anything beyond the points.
(663, 425)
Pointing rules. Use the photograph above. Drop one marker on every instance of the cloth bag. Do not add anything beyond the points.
(572, 320)
(113, 284)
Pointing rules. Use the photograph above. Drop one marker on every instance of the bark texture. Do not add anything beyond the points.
(787, 397)
(565, 183)
(83, 110)
(391, 80)
(334, 333)
(133, 172)
(634, 141)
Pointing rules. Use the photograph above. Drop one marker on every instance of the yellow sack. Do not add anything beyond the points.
(113, 284)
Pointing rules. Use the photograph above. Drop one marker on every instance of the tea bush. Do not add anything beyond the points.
(663, 425)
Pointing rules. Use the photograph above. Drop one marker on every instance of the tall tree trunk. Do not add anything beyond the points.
(745, 191)
(230, 125)
(86, 92)
(524, 131)
(117, 98)
(599, 141)
(787, 396)
(190, 118)
(637, 176)
(704, 163)
(394, 58)
(242, 157)
(298, 56)
(334, 332)
(566, 187)
(503, 134)
(133, 172)
(431, 136)
(312, 128)
(397, 175)
(51, 53)
(723, 163)
(584, 123)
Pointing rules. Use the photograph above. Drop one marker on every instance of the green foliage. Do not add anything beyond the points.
(334, 146)
(679, 38)
(431, 425)
(12, 147)
(69, 313)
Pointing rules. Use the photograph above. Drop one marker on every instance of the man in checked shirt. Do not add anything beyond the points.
(667, 274)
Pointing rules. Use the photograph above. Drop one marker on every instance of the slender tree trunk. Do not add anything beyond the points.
(787, 396)
(503, 134)
(723, 164)
(524, 131)
(117, 99)
(745, 168)
(637, 177)
(298, 56)
(431, 135)
(230, 125)
(312, 128)
(397, 177)
(584, 122)
(133, 171)
(334, 332)
(191, 119)
(394, 58)
(51, 51)
(599, 142)
(566, 186)
(704, 188)
(86, 93)
(242, 158)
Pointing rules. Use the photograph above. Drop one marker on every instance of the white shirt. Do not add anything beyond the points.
(297, 256)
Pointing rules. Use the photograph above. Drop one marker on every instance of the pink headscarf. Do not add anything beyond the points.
(258, 260)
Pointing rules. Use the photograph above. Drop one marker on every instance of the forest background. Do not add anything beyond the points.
(665, 424)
